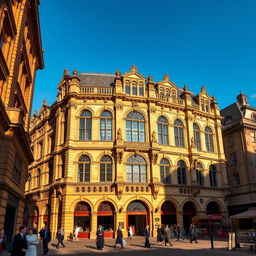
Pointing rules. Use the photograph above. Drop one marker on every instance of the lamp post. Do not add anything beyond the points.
(211, 234)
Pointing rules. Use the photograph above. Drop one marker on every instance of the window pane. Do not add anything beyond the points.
(160, 134)
(136, 173)
(134, 90)
(143, 173)
(80, 172)
(87, 172)
(109, 172)
(102, 172)
(127, 89)
(141, 91)
(162, 173)
(128, 131)
(129, 173)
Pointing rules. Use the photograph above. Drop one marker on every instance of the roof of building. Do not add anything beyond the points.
(233, 110)
(97, 80)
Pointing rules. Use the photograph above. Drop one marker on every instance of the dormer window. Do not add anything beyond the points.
(253, 116)
(228, 120)
(127, 87)
(141, 89)
(134, 88)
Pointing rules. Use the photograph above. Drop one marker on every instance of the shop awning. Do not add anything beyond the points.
(208, 217)
(249, 214)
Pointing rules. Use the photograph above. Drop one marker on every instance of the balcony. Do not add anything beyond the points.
(170, 99)
(96, 90)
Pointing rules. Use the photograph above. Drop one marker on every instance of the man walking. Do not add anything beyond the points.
(60, 238)
(45, 235)
(147, 235)
(192, 233)
(20, 243)
(119, 238)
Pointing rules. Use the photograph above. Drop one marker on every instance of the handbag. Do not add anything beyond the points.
(124, 242)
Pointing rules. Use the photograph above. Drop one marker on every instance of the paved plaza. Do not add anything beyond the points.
(135, 247)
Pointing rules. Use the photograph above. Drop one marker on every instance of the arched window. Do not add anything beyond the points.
(106, 126)
(135, 127)
(127, 87)
(178, 133)
(84, 166)
(162, 130)
(141, 89)
(161, 91)
(38, 180)
(85, 127)
(134, 88)
(106, 169)
(173, 93)
(213, 176)
(136, 170)
(165, 171)
(168, 93)
(197, 137)
(199, 174)
(209, 139)
(182, 175)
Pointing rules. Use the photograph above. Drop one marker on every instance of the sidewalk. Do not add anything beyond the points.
(135, 247)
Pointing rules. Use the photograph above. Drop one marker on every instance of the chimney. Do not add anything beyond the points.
(242, 99)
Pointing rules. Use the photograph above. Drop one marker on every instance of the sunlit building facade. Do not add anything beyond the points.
(124, 150)
(20, 57)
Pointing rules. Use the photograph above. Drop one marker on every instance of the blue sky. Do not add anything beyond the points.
(197, 42)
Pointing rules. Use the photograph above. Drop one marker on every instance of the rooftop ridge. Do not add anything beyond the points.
(97, 73)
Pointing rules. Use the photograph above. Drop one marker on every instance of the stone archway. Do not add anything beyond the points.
(137, 215)
(189, 211)
(212, 208)
(168, 213)
(82, 218)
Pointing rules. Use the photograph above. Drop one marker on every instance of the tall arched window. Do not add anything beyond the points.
(162, 130)
(197, 139)
(213, 175)
(168, 93)
(182, 175)
(85, 126)
(161, 91)
(84, 166)
(135, 127)
(165, 171)
(209, 139)
(199, 174)
(178, 133)
(136, 170)
(127, 87)
(106, 169)
(106, 126)
(38, 180)
(141, 89)
(134, 88)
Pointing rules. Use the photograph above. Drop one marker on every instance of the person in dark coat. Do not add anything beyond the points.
(100, 238)
(20, 243)
(160, 237)
(60, 238)
(178, 232)
(192, 233)
(119, 237)
(147, 235)
(45, 235)
(167, 237)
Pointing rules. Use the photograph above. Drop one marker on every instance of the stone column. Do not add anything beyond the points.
(93, 225)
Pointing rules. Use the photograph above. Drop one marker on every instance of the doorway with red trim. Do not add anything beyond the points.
(137, 216)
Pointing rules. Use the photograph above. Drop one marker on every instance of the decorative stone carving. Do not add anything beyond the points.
(154, 139)
(154, 157)
(119, 107)
(75, 72)
(192, 144)
(66, 72)
(134, 69)
(119, 134)
(119, 156)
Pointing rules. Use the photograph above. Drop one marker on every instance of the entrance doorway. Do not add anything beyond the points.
(106, 219)
(168, 214)
(137, 216)
(82, 218)
(189, 211)
(9, 222)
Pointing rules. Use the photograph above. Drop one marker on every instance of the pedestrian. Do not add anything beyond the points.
(146, 236)
(133, 231)
(100, 238)
(192, 233)
(3, 243)
(167, 239)
(19, 245)
(60, 238)
(119, 237)
(45, 235)
(32, 241)
(178, 232)
(159, 238)
(130, 232)
(77, 229)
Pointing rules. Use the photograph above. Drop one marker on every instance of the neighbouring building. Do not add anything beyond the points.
(20, 57)
(120, 149)
(239, 136)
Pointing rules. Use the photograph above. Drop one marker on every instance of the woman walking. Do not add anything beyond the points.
(60, 238)
(160, 237)
(130, 232)
(167, 239)
(76, 232)
(119, 237)
(32, 241)
(100, 238)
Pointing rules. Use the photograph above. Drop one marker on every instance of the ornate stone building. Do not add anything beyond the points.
(124, 150)
(239, 136)
(20, 57)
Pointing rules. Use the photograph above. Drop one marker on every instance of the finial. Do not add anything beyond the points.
(203, 89)
(150, 78)
(213, 98)
(45, 102)
(166, 78)
(118, 73)
(66, 72)
(185, 88)
(75, 72)
(35, 112)
(133, 69)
